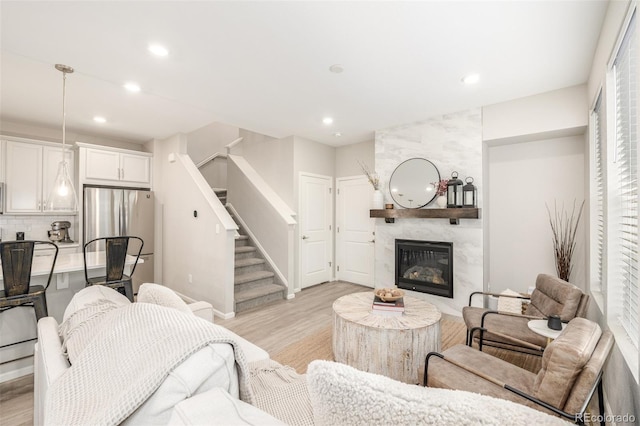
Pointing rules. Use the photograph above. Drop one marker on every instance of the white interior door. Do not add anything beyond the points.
(354, 231)
(314, 224)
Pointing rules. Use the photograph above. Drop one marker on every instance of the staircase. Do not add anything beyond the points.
(255, 282)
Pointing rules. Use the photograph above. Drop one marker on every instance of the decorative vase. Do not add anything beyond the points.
(441, 201)
(377, 201)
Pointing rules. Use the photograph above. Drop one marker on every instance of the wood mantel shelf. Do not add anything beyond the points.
(453, 214)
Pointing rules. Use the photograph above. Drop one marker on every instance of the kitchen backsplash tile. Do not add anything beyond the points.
(34, 227)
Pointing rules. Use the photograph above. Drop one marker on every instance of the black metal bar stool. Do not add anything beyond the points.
(17, 260)
(116, 250)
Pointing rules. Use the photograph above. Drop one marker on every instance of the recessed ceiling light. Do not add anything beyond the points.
(158, 50)
(327, 120)
(337, 134)
(336, 68)
(132, 87)
(471, 79)
(99, 119)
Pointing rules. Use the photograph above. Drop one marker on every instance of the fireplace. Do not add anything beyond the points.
(425, 266)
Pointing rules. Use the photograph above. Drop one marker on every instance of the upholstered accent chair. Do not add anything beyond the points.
(503, 330)
(570, 375)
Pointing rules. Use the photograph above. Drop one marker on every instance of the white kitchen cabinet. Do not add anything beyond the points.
(117, 166)
(31, 169)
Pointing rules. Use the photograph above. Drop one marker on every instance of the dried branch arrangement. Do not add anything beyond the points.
(374, 180)
(564, 227)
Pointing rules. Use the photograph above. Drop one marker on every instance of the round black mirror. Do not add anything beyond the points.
(414, 182)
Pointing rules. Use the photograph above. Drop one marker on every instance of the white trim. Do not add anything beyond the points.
(211, 158)
(69, 145)
(14, 374)
(217, 313)
(110, 148)
(264, 189)
(232, 144)
(627, 349)
(620, 35)
(259, 246)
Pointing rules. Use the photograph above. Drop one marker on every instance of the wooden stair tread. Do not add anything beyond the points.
(242, 237)
(252, 276)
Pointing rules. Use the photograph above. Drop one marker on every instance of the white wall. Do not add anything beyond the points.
(266, 216)
(273, 159)
(201, 246)
(514, 135)
(209, 140)
(552, 114)
(347, 158)
(523, 178)
(451, 142)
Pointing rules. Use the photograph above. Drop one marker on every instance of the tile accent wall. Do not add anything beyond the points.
(34, 227)
(451, 142)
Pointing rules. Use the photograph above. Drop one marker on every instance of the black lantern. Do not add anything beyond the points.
(454, 191)
(469, 194)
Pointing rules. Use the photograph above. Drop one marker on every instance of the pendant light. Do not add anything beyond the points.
(63, 195)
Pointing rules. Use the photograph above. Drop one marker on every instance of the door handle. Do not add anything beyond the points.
(304, 237)
(372, 241)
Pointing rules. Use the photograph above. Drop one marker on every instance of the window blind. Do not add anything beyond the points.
(625, 69)
(599, 183)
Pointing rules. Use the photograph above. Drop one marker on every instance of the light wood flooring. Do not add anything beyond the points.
(275, 326)
(272, 327)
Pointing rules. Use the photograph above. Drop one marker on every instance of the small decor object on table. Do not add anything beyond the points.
(554, 322)
(374, 180)
(388, 301)
(441, 191)
(541, 327)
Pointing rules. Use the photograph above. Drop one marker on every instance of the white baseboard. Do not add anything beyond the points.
(14, 374)
(219, 314)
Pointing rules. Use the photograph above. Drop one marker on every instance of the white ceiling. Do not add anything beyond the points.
(264, 66)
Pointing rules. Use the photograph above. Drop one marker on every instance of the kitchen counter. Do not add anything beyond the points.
(71, 262)
(59, 244)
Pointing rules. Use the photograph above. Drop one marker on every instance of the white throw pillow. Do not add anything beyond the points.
(89, 295)
(160, 295)
(79, 329)
(342, 395)
(510, 304)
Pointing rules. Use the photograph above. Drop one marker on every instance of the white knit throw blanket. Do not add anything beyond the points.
(134, 350)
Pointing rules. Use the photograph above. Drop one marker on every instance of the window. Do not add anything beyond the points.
(598, 193)
(623, 189)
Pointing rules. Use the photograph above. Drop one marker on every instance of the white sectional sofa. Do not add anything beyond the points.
(209, 371)
(205, 388)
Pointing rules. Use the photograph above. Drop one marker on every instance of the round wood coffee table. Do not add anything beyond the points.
(391, 346)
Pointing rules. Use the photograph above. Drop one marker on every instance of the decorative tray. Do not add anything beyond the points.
(389, 294)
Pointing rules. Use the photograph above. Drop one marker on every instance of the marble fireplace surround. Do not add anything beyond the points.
(453, 142)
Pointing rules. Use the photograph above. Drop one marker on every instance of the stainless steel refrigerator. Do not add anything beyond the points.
(113, 211)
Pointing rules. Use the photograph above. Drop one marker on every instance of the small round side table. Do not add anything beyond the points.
(540, 327)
